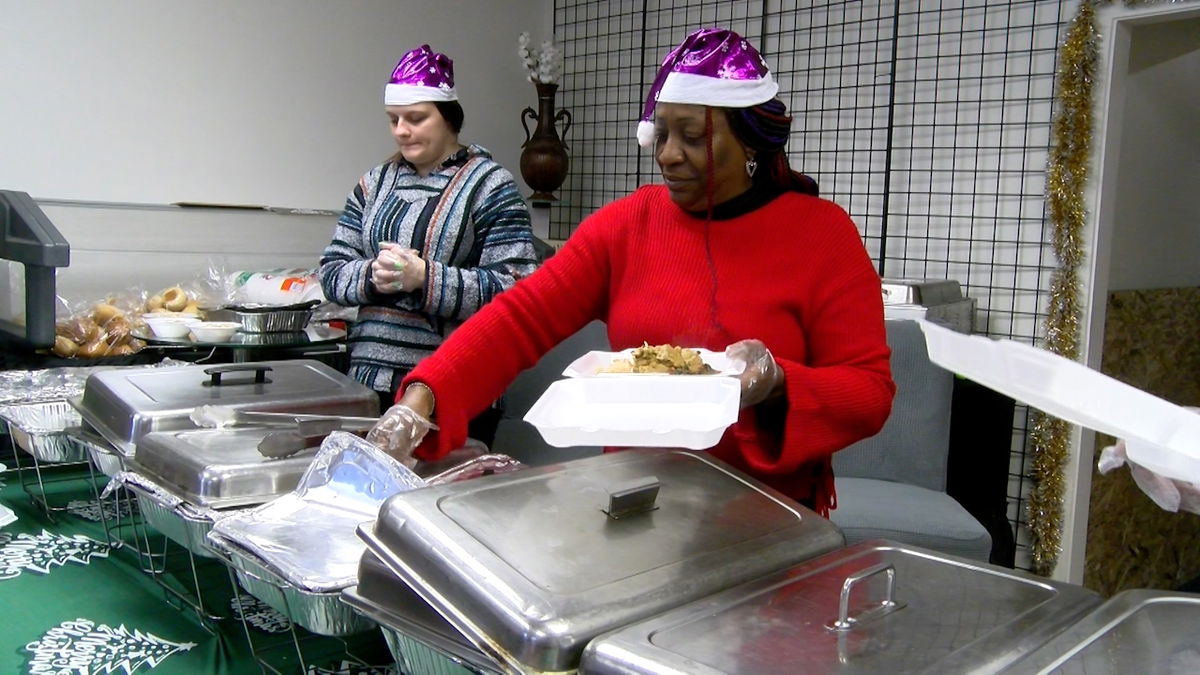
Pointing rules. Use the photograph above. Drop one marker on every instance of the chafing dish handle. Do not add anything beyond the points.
(845, 621)
(214, 373)
(632, 497)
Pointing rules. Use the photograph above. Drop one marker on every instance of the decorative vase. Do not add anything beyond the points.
(544, 161)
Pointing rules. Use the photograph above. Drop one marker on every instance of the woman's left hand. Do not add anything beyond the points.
(762, 378)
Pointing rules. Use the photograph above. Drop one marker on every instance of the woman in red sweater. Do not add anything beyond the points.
(734, 252)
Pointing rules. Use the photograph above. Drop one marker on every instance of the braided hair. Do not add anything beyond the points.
(765, 128)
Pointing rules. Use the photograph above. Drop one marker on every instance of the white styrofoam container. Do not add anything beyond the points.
(639, 410)
(590, 364)
(1159, 435)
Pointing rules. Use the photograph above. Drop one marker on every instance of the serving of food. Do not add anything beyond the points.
(663, 359)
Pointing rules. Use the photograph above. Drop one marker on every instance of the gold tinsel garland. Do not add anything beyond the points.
(1066, 176)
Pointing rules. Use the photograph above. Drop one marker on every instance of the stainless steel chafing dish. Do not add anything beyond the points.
(125, 405)
(530, 566)
(420, 640)
(1138, 631)
(218, 468)
(298, 552)
(876, 607)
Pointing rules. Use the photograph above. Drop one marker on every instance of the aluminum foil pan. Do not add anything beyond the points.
(38, 428)
(183, 523)
(107, 459)
(27, 386)
(410, 653)
(308, 537)
(277, 321)
(322, 613)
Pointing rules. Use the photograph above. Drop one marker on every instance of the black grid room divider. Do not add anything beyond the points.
(929, 122)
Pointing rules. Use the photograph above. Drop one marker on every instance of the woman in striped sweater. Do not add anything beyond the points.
(426, 238)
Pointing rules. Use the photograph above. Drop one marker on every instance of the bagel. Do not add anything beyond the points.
(192, 308)
(174, 299)
(64, 347)
(154, 303)
(104, 312)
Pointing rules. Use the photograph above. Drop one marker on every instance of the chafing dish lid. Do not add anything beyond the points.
(943, 615)
(218, 468)
(124, 405)
(1136, 631)
(533, 564)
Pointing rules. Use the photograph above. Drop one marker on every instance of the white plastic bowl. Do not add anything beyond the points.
(169, 326)
(214, 331)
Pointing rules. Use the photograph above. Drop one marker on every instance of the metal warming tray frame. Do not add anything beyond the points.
(878, 606)
(124, 405)
(531, 565)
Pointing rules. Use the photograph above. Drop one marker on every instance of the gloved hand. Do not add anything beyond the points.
(397, 269)
(1169, 494)
(762, 378)
(398, 433)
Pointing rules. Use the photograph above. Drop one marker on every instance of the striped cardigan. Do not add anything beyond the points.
(476, 243)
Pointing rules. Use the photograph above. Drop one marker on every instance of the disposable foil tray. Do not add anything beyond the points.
(421, 641)
(320, 612)
(183, 523)
(39, 429)
(308, 535)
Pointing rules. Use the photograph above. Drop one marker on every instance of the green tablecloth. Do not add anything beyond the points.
(70, 603)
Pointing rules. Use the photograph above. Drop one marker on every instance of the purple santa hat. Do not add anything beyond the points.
(421, 75)
(713, 67)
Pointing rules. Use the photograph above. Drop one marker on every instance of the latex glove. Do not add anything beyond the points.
(1169, 494)
(398, 433)
(397, 269)
(762, 378)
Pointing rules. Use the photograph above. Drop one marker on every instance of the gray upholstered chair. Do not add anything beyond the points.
(893, 485)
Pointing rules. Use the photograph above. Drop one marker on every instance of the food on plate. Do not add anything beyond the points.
(667, 359)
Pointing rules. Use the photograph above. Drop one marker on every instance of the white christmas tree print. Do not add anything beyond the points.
(39, 553)
(90, 509)
(83, 646)
(259, 614)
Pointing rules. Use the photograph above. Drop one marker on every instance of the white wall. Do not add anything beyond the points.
(270, 102)
(1156, 223)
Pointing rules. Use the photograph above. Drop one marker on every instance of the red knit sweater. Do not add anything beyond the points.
(793, 273)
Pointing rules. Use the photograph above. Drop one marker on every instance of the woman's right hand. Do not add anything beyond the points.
(402, 428)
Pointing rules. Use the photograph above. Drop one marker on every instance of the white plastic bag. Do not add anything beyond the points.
(276, 287)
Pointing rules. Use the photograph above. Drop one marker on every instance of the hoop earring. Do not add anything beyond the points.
(751, 166)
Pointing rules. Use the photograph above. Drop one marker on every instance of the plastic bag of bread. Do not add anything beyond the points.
(99, 328)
